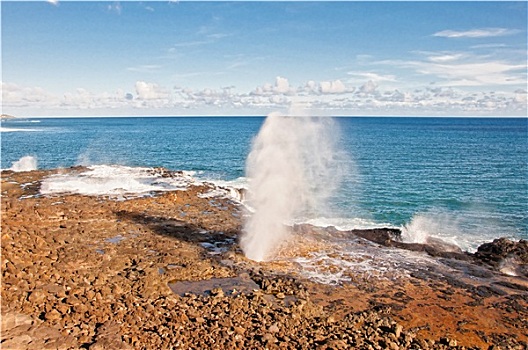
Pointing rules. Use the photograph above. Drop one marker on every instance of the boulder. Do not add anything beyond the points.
(505, 255)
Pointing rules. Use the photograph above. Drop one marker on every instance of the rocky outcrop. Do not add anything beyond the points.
(505, 255)
(391, 237)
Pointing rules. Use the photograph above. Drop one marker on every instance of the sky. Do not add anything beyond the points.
(436, 58)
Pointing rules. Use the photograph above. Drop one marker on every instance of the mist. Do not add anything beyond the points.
(26, 163)
(293, 169)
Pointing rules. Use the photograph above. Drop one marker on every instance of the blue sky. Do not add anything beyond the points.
(252, 58)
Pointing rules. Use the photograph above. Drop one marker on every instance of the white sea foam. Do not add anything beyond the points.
(233, 189)
(125, 182)
(344, 224)
(293, 168)
(351, 260)
(3, 129)
(26, 163)
(223, 192)
(116, 181)
(459, 229)
(240, 182)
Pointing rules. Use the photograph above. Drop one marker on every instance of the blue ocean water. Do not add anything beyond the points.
(464, 179)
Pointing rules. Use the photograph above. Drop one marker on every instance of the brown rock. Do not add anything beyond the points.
(37, 296)
(16, 343)
(273, 328)
(53, 315)
(239, 330)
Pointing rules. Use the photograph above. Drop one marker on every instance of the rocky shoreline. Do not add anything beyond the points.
(165, 271)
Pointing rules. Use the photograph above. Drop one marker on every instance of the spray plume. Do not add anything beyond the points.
(293, 168)
(26, 163)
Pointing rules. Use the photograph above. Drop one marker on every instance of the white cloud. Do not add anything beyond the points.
(474, 73)
(373, 76)
(282, 85)
(53, 2)
(487, 46)
(476, 33)
(150, 91)
(368, 88)
(465, 69)
(441, 58)
(14, 95)
(521, 97)
(332, 87)
(370, 99)
(310, 87)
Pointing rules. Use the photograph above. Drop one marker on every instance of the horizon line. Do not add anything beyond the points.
(264, 116)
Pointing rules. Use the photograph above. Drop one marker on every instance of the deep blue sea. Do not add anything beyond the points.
(463, 179)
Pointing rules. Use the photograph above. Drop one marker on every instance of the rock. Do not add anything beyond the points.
(239, 330)
(53, 315)
(269, 338)
(383, 236)
(504, 254)
(390, 237)
(392, 345)
(397, 328)
(17, 342)
(337, 344)
(12, 320)
(37, 296)
(217, 292)
(273, 328)
(78, 298)
(107, 337)
(449, 342)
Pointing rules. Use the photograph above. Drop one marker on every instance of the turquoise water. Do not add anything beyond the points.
(465, 179)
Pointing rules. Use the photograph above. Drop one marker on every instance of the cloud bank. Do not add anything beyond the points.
(322, 98)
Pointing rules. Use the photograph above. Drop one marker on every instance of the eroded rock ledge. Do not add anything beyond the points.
(503, 254)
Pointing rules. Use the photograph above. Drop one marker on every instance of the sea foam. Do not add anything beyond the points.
(124, 182)
(114, 180)
(3, 129)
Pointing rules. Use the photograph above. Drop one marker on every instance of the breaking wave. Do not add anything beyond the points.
(116, 181)
(125, 182)
(26, 163)
(3, 129)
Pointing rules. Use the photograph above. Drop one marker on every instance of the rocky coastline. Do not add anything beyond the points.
(165, 271)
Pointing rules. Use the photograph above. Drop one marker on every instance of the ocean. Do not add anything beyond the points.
(464, 180)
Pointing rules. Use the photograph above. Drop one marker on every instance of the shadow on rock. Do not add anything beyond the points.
(181, 230)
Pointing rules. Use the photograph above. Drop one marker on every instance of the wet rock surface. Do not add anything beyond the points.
(505, 255)
(82, 272)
